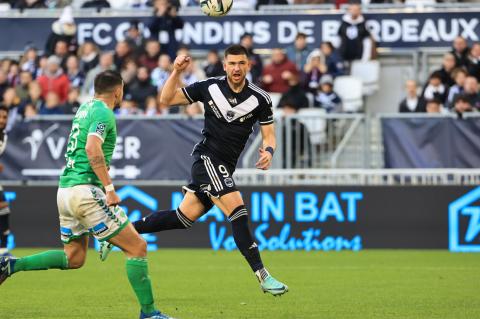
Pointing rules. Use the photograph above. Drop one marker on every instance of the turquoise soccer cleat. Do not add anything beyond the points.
(105, 249)
(155, 315)
(6, 267)
(273, 286)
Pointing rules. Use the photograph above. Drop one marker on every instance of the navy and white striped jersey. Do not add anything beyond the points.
(229, 116)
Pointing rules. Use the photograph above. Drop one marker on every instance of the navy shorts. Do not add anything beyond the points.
(210, 177)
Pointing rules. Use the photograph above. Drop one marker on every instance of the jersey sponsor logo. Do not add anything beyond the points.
(100, 129)
(246, 117)
(214, 109)
(224, 106)
(228, 181)
(232, 100)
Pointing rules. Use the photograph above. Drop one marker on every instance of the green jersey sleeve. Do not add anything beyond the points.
(103, 121)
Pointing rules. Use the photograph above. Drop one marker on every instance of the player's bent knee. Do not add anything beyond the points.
(76, 261)
(137, 248)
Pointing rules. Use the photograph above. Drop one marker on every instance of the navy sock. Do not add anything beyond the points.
(243, 238)
(4, 230)
(162, 220)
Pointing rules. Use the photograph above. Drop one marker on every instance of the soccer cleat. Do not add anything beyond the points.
(155, 315)
(105, 249)
(6, 267)
(273, 286)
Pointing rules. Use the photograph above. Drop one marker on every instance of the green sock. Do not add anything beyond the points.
(51, 259)
(137, 272)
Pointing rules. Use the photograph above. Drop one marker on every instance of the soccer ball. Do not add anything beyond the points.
(216, 8)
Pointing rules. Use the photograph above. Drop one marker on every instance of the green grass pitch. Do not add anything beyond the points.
(197, 284)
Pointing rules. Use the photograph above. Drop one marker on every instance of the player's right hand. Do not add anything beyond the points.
(112, 198)
(181, 62)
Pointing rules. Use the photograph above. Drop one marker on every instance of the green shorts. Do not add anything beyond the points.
(83, 210)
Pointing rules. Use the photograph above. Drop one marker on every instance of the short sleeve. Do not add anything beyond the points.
(194, 92)
(102, 123)
(266, 115)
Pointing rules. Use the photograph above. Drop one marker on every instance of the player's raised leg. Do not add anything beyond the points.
(232, 205)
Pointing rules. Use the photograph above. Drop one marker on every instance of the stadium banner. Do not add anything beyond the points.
(309, 218)
(391, 29)
(431, 142)
(36, 149)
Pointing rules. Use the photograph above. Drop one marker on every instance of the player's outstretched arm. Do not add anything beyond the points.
(171, 93)
(268, 147)
(96, 159)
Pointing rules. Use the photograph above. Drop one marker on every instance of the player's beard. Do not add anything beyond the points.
(238, 80)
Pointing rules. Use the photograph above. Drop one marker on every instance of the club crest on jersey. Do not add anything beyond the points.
(230, 115)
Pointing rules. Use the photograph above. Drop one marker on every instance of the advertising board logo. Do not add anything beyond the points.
(464, 223)
(134, 212)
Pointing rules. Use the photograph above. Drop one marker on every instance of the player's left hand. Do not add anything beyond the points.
(265, 160)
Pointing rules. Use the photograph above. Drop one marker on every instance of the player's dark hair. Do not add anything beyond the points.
(235, 49)
(4, 108)
(107, 81)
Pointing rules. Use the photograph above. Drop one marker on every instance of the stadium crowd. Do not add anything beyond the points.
(452, 88)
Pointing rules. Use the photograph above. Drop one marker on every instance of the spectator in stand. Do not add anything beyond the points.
(435, 89)
(96, 4)
(462, 104)
(12, 102)
(42, 66)
(459, 75)
(150, 57)
(22, 87)
(314, 69)
(89, 56)
(189, 76)
(141, 88)
(61, 51)
(63, 29)
(13, 73)
(295, 96)
(106, 63)
(54, 80)
(52, 105)
(166, 19)
(270, 2)
(333, 61)
(72, 104)
(75, 76)
(128, 106)
(213, 65)
(134, 38)
(355, 39)
(29, 4)
(460, 51)
(161, 73)
(299, 51)
(448, 64)
(34, 99)
(29, 61)
(412, 103)
(29, 111)
(122, 53)
(326, 98)
(256, 63)
(3, 83)
(434, 106)
(470, 90)
(5, 65)
(151, 107)
(129, 71)
(473, 64)
(276, 75)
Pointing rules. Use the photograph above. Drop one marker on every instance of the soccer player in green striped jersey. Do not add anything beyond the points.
(84, 207)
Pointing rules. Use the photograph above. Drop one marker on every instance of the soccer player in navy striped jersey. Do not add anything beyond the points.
(232, 106)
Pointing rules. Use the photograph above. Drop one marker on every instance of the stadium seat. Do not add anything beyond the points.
(275, 98)
(315, 123)
(349, 88)
(369, 73)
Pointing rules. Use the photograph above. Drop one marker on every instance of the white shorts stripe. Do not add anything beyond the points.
(215, 172)
(211, 173)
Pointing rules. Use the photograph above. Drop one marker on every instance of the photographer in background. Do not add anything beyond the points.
(165, 19)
